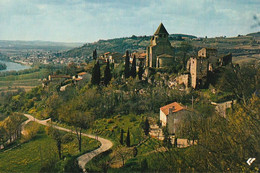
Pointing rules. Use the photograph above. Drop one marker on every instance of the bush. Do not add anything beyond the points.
(30, 132)
(67, 138)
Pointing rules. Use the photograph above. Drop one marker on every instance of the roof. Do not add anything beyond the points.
(106, 53)
(161, 30)
(165, 56)
(60, 76)
(82, 73)
(177, 108)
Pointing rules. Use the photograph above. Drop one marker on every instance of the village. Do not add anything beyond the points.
(160, 55)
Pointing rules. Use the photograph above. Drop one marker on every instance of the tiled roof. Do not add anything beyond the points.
(82, 73)
(177, 107)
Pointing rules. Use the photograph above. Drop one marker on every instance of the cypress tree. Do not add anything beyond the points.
(127, 63)
(127, 141)
(95, 54)
(95, 80)
(122, 137)
(107, 75)
(146, 127)
(133, 68)
(140, 72)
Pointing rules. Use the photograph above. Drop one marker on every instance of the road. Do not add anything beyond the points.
(85, 158)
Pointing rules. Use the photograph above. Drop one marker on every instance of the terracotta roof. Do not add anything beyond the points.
(82, 73)
(106, 53)
(161, 30)
(177, 108)
(165, 56)
(60, 76)
(143, 54)
(78, 79)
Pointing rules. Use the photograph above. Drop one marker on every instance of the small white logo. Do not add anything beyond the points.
(250, 161)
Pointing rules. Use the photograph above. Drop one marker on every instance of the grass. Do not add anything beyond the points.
(30, 156)
(110, 128)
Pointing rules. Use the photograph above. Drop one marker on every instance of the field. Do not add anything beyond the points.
(25, 81)
(32, 155)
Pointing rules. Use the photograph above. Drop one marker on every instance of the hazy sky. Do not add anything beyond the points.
(91, 20)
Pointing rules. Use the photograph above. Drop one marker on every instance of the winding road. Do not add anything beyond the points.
(85, 158)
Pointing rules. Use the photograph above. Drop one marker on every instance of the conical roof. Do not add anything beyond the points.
(161, 30)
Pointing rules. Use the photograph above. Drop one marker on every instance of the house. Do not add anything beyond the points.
(171, 116)
(52, 77)
(82, 75)
(160, 53)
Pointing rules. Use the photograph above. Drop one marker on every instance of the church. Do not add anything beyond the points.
(160, 53)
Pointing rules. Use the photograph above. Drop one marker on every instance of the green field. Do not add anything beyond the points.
(30, 156)
(25, 81)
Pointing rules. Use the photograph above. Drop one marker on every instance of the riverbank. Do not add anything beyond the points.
(14, 66)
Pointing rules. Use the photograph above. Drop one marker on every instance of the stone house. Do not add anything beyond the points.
(171, 116)
(160, 53)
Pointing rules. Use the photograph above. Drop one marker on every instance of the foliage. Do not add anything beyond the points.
(96, 76)
(107, 74)
(127, 65)
(2, 66)
(127, 140)
(133, 68)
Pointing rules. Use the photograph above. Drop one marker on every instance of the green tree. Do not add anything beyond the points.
(95, 54)
(127, 65)
(75, 116)
(57, 136)
(107, 74)
(241, 81)
(166, 140)
(140, 72)
(122, 137)
(133, 68)
(127, 140)
(146, 127)
(95, 80)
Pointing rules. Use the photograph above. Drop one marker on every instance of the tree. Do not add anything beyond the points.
(167, 140)
(133, 68)
(185, 48)
(95, 54)
(127, 63)
(127, 140)
(57, 136)
(107, 74)
(146, 127)
(140, 72)
(95, 80)
(241, 81)
(75, 116)
(122, 137)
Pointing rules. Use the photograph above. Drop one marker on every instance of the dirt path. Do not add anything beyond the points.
(85, 158)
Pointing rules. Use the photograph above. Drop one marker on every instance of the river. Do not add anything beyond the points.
(12, 66)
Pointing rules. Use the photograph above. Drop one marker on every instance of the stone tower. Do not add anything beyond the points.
(160, 53)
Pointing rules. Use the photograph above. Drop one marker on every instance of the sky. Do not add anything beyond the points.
(92, 20)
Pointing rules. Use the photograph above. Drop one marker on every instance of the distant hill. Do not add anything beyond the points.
(256, 34)
(45, 45)
(116, 45)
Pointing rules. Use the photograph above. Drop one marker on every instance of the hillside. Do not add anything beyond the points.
(243, 48)
(117, 45)
(256, 34)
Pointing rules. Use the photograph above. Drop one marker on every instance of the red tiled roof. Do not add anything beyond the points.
(106, 53)
(143, 54)
(82, 73)
(177, 107)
